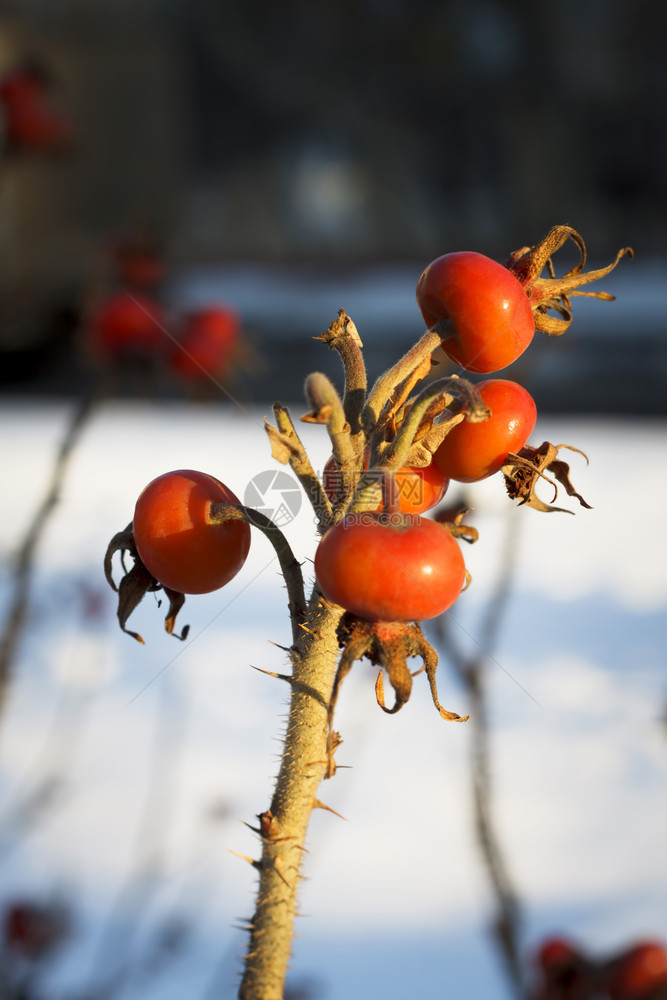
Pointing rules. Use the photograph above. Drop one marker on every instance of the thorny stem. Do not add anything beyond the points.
(472, 672)
(23, 565)
(283, 826)
(385, 385)
(289, 565)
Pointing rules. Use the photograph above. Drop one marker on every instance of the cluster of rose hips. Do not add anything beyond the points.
(566, 972)
(352, 555)
(380, 560)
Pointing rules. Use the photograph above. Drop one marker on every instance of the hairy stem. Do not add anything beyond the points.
(385, 385)
(283, 826)
(342, 336)
(289, 565)
(327, 408)
(400, 448)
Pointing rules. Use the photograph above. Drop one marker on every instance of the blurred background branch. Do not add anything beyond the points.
(471, 667)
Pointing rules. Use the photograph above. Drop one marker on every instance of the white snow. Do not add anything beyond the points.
(155, 741)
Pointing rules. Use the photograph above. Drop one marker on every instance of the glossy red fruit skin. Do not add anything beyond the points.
(175, 538)
(472, 452)
(390, 567)
(128, 324)
(418, 489)
(486, 316)
(642, 969)
(208, 343)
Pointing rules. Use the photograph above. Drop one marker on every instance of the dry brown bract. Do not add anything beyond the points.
(553, 293)
(388, 645)
(522, 473)
(136, 583)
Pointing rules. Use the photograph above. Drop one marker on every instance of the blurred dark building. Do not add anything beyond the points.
(335, 133)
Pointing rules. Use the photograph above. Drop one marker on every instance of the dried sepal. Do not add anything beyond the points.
(527, 263)
(325, 404)
(136, 583)
(423, 449)
(388, 645)
(321, 415)
(287, 448)
(435, 410)
(449, 388)
(464, 401)
(340, 328)
(176, 602)
(282, 447)
(552, 294)
(523, 471)
(455, 526)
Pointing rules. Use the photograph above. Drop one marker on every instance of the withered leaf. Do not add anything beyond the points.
(455, 526)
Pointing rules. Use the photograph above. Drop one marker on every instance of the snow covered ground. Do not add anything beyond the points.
(162, 747)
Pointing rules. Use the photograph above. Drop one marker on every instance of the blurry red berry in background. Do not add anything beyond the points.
(208, 343)
(127, 324)
(20, 87)
(138, 263)
(30, 122)
(639, 971)
(141, 269)
(33, 929)
(555, 952)
(565, 973)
